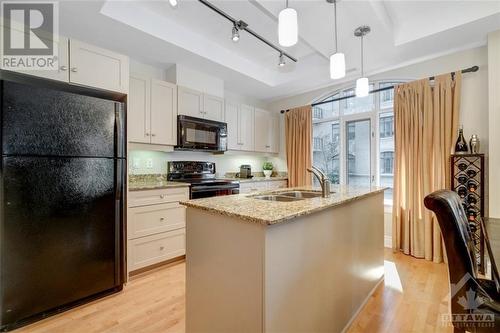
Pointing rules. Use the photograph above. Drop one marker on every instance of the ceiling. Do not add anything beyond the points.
(403, 32)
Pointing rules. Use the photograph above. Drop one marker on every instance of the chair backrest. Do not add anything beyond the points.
(458, 241)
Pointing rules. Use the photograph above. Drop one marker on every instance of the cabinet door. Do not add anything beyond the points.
(163, 113)
(213, 107)
(231, 116)
(246, 127)
(139, 109)
(62, 73)
(262, 130)
(99, 68)
(274, 134)
(190, 102)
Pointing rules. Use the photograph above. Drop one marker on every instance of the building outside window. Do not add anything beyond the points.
(354, 138)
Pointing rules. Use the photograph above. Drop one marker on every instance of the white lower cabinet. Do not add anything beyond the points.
(150, 250)
(249, 187)
(156, 226)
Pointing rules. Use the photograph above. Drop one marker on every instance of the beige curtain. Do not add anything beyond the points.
(298, 131)
(426, 123)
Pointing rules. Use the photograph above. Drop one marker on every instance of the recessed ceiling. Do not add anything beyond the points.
(191, 34)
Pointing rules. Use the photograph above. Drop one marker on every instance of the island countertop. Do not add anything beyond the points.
(245, 207)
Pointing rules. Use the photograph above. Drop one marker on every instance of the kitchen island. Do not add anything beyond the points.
(308, 265)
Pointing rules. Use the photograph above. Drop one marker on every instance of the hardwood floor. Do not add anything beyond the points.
(410, 300)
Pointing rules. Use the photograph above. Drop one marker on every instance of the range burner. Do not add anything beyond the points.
(201, 176)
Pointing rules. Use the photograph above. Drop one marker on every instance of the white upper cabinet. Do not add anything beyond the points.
(163, 113)
(138, 110)
(197, 104)
(190, 102)
(266, 131)
(88, 65)
(152, 111)
(96, 67)
(232, 115)
(213, 107)
(62, 72)
(246, 126)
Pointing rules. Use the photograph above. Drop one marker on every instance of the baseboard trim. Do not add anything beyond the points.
(355, 315)
(388, 241)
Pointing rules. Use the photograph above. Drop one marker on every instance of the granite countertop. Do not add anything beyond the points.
(257, 179)
(151, 182)
(245, 207)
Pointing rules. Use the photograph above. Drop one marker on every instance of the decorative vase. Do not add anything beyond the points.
(461, 145)
(268, 173)
(475, 144)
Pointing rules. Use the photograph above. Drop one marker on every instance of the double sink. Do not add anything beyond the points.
(288, 196)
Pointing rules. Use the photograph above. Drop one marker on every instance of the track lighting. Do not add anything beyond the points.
(362, 84)
(337, 60)
(236, 34)
(282, 61)
(287, 27)
(173, 3)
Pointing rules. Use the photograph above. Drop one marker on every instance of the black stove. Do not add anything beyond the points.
(201, 176)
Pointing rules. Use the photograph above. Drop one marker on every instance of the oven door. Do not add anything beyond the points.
(201, 134)
(206, 191)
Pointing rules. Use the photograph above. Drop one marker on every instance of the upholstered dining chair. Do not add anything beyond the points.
(470, 296)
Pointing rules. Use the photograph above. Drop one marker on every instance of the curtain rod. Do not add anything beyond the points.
(466, 70)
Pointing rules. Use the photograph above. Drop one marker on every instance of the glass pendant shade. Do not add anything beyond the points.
(362, 87)
(337, 66)
(287, 27)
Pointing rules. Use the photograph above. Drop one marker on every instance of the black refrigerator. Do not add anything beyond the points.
(62, 200)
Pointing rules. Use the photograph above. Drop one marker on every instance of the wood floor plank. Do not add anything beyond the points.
(154, 302)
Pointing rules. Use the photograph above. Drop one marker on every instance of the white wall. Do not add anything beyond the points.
(190, 78)
(474, 102)
(494, 121)
(153, 72)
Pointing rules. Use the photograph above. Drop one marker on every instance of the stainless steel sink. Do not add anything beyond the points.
(273, 197)
(301, 194)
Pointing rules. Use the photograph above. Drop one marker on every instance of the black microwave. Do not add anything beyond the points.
(201, 134)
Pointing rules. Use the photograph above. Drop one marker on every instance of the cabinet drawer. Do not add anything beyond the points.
(153, 249)
(152, 197)
(149, 220)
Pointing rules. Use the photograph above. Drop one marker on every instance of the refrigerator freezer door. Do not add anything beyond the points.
(44, 122)
(59, 233)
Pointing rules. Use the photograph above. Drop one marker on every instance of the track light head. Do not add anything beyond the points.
(173, 3)
(235, 34)
(282, 61)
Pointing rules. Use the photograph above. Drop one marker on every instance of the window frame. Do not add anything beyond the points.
(374, 116)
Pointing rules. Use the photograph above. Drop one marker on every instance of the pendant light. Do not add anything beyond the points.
(337, 60)
(173, 3)
(362, 84)
(288, 30)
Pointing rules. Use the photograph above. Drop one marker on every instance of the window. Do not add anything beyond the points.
(354, 138)
(387, 126)
(387, 162)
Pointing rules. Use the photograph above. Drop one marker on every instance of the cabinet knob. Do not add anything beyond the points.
(153, 134)
(162, 196)
(147, 134)
(268, 146)
(162, 248)
(74, 70)
(63, 68)
(162, 219)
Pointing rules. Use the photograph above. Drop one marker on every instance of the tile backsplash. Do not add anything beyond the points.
(153, 162)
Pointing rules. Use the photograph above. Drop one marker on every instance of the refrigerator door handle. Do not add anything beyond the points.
(120, 130)
(120, 221)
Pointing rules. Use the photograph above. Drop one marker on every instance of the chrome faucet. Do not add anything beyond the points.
(323, 181)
